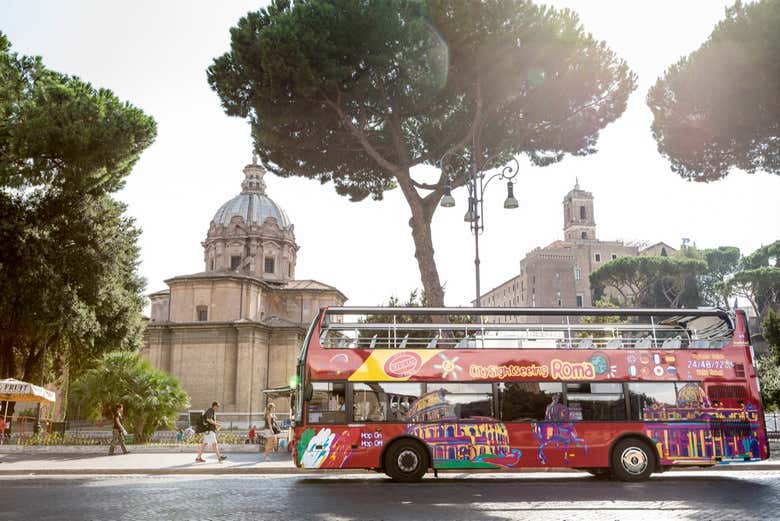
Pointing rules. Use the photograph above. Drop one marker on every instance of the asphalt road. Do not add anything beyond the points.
(678, 495)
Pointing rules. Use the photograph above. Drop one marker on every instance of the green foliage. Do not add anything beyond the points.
(647, 281)
(717, 108)
(722, 262)
(60, 132)
(69, 282)
(758, 279)
(770, 328)
(768, 372)
(358, 92)
(150, 397)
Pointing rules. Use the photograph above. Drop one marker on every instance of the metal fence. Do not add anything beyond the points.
(772, 420)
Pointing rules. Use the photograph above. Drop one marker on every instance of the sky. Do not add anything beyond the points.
(154, 55)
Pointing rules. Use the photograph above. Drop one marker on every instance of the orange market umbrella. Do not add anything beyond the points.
(12, 390)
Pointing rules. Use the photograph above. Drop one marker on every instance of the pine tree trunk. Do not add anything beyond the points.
(423, 252)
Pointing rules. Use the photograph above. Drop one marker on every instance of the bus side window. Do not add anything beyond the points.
(328, 403)
(652, 400)
(525, 401)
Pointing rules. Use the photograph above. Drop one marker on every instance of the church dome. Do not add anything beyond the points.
(252, 204)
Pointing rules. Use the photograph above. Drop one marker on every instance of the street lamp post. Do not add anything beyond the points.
(476, 184)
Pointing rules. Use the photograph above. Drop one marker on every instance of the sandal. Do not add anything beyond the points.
(200, 460)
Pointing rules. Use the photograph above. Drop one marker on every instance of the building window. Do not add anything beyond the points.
(577, 272)
(269, 265)
(235, 262)
(598, 257)
(203, 313)
(582, 213)
(580, 300)
(289, 269)
(614, 256)
(584, 235)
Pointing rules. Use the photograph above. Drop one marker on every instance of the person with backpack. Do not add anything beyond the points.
(118, 432)
(209, 425)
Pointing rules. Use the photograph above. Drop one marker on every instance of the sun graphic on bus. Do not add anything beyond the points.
(448, 367)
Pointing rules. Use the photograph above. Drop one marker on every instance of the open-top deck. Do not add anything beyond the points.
(525, 328)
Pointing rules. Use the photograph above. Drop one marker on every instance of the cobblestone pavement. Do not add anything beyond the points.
(680, 495)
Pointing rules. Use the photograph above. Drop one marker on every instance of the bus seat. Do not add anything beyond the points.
(672, 343)
(644, 343)
(615, 343)
(432, 343)
(372, 345)
(403, 342)
(700, 344)
(585, 343)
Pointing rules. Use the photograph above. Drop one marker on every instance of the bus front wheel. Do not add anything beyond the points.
(632, 460)
(406, 460)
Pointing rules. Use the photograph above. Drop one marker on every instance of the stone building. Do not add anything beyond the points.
(558, 275)
(235, 329)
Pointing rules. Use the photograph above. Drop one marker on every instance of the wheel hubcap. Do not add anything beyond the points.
(408, 460)
(634, 460)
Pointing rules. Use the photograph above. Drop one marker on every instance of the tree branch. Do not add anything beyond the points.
(361, 136)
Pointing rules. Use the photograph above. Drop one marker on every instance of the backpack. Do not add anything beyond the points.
(202, 426)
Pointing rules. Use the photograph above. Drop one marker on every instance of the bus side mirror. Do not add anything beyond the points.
(308, 392)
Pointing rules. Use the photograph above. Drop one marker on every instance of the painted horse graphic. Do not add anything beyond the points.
(557, 430)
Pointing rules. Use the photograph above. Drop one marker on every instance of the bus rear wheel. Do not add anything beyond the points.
(406, 461)
(632, 460)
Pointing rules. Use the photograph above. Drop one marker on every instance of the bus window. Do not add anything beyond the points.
(466, 400)
(327, 403)
(380, 401)
(522, 401)
(647, 397)
(596, 401)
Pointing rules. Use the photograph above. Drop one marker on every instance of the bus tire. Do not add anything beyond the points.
(632, 460)
(406, 461)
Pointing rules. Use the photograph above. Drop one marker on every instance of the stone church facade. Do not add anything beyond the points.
(558, 275)
(234, 329)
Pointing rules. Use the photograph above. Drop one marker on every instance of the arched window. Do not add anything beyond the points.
(582, 213)
(584, 235)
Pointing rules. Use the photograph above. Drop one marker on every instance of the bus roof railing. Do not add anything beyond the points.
(348, 326)
(660, 312)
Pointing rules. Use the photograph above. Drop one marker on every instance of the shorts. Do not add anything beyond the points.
(266, 433)
(210, 438)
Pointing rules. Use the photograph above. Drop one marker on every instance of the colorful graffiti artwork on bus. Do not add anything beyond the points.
(700, 430)
(557, 431)
(473, 442)
(325, 449)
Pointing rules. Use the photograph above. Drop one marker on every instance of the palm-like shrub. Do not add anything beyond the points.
(150, 397)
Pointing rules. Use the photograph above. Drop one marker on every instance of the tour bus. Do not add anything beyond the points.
(619, 393)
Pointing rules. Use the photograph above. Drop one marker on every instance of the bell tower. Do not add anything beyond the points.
(578, 220)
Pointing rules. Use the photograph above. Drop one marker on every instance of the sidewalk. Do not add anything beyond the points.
(237, 463)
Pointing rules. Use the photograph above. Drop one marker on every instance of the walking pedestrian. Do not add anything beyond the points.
(270, 430)
(210, 436)
(118, 432)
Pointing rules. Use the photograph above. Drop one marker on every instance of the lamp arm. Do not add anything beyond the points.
(508, 172)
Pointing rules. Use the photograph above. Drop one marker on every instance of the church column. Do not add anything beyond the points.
(245, 355)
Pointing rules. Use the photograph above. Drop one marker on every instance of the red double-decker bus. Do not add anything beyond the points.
(619, 393)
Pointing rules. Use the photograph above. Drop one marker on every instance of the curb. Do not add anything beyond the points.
(203, 470)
